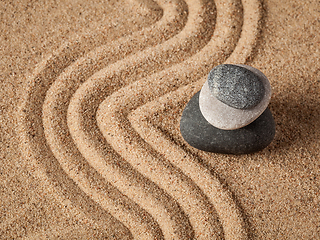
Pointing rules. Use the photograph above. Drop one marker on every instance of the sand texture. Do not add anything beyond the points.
(91, 97)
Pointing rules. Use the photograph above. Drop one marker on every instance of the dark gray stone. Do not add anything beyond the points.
(236, 86)
(202, 135)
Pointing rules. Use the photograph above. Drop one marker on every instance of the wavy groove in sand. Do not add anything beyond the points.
(109, 117)
(163, 209)
(30, 122)
(210, 185)
(159, 209)
(155, 167)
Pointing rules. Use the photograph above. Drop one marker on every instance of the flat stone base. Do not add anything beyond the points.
(199, 133)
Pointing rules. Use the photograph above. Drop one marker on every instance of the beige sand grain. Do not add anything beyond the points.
(91, 98)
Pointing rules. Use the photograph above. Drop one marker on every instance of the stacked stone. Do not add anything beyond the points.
(230, 113)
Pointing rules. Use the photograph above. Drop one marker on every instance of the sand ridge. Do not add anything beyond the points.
(55, 94)
(123, 99)
(46, 72)
(51, 112)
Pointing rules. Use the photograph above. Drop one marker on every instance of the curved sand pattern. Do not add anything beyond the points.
(53, 107)
(93, 149)
(134, 93)
(139, 224)
(46, 73)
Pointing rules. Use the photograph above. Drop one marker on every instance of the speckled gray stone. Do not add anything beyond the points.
(199, 133)
(225, 117)
(236, 86)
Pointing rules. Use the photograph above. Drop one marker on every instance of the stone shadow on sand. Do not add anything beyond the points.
(297, 120)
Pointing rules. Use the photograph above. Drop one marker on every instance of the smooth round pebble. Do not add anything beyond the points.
(236, 86)
(199, 133)
(226, 117)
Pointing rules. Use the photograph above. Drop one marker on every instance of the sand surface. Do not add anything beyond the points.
(91, 97)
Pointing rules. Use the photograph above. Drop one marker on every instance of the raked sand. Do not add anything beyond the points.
(91, 98)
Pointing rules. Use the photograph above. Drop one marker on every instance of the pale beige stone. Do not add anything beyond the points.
(225, 117)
